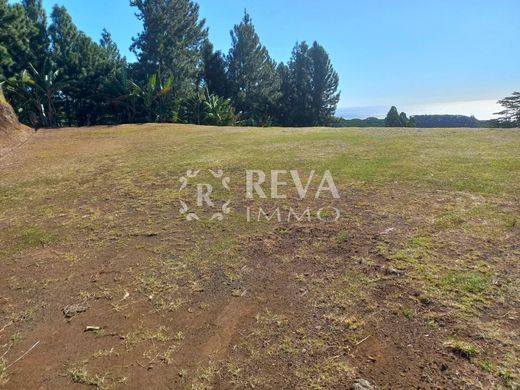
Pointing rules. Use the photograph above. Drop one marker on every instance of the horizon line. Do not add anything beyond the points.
(484, 109)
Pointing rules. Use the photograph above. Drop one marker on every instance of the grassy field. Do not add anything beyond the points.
(417, 284)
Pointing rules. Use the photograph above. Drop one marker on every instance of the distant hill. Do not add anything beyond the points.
(421, 121)
(432, 121)
(369, 122)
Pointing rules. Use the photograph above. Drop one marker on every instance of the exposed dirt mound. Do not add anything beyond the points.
(12, 132)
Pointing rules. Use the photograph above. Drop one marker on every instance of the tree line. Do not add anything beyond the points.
(55, 75)
(508, 118)
(431, 121)
(396, 119)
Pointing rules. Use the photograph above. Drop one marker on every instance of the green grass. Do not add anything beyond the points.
(448, 221)
(32, 237)
(466, 282)
(462, 348)
(479, 161)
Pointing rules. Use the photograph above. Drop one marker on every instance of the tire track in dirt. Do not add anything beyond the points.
(226, 324)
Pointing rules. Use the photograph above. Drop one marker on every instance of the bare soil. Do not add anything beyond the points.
(12, 133)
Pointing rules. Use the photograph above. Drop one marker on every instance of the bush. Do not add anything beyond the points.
(208, 109)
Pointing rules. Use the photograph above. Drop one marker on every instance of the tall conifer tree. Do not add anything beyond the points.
(15, 34)
(39, 37)
(392, 118)
(252, 74)
(171, 42)
(214, 74)
(300, 102)
(311, 87)
(325, 81)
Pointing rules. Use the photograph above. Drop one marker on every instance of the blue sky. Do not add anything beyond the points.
(420, 55)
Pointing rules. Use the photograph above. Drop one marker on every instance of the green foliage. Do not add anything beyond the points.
(309, 85)
(39, 36)
(15, 34)
(120, 105)
(299, 99)
(171, 42)
(420, 121)
(153, 101)
(209, 109)
(284, 109)
(447, 121)
(58, 76)
(219, 111)
(369, 122)
(255, 87)
(192, 109)
(403, 119)
(36, 95)
(325, 83)
(86, 68)
(214, 75)
(392, 118)
(510, 116)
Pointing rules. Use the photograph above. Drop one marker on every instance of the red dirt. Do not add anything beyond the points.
(12, 133)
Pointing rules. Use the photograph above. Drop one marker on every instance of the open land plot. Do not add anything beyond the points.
(417, 285)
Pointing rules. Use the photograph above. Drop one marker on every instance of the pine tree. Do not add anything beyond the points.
(393, 119)
(101, 63)
(110, 48)
(255, 86)
(171, 41)
(15, 33)
(214, 75)
(64, 36)
(301, 86)
(325, 81)
(510, 116)
(6, 59)
(403, 119)
(114, 86)
(85, 66)
(310, 87)
(284, 107)
(39, 38)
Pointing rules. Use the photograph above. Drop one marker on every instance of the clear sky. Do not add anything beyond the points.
(420, 55)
